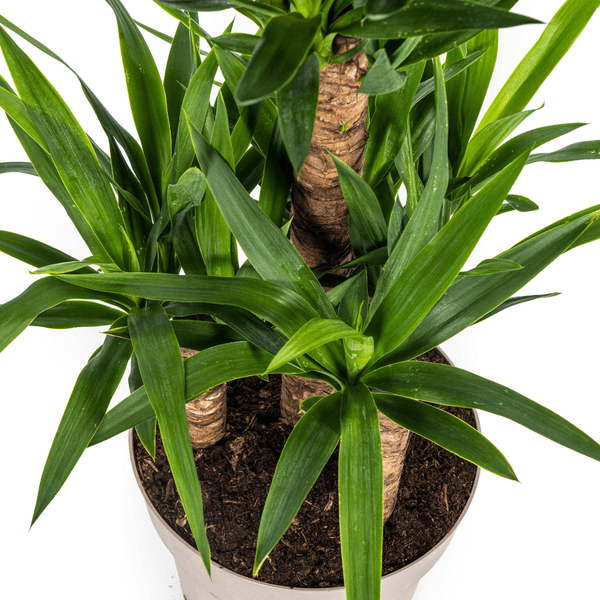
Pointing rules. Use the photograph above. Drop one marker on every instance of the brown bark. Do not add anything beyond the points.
(320, 225)
(294, 390)
(394, 443)
(319, 228)
(207, 414)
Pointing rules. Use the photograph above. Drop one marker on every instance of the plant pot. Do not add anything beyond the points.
(227, 585)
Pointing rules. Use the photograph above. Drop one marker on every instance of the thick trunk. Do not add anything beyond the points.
(207, 414)
(320, 225)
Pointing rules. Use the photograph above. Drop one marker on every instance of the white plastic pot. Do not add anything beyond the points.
(227, 585)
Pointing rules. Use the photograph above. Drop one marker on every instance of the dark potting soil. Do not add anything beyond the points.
(235, 476)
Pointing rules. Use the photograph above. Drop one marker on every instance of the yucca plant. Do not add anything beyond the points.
(180, 200)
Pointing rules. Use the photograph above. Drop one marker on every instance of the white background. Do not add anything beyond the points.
(533, 539)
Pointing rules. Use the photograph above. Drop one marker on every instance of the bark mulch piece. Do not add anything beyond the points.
(235, 476)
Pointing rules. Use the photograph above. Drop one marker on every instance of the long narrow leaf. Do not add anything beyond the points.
(471, 298)
(427, 17)
(146, 95)
(424, 281)
(87, 405)
(304, 455)
(281, 51)
(555, 41)
(41, 295)
(285, 309)
(449, 386)
(162, 371)
(70, 149)
(312, 335)
(258, 236)
(361, 494)
(425, 221)
(446, 431)
(297, 105)
(76, 313)
(366, 222)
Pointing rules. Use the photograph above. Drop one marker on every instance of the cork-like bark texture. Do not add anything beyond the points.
(295, 390)
(207, 414)
(319, 228)
(394, 443)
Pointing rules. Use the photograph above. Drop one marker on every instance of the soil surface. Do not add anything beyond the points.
(235, 476)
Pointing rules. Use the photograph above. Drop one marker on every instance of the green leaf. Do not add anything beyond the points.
(487, 140)
(518, 203)
(76, 265)
(41, 295)
(277, 179)
(161, 36)
(87, 406)
(162, 371)
(306, 451)
(196, 103)
(313, 334)
(558, 36)
(70, 149)
(146, 95)
(75, 313)
(147, 430)
(186, 245)
(449, 386)
(428, 17)
(32, 251)
(297, 109)
(270, 301)
(243, 322)
(366, 223)
(470, 298)
(242, 43)
(515, 301)
(387, 127)
(180, 68)
(516, 146)
(187, 192)
(379, 9)
(425, 222)
(203, 371)
(427, 277)
(361, 494)
(210, 5)
(281, 51)
(478, 79)
(579, 151)
(200, 335)
(110, 125)
(354, 305)
(258, 236)
(233, 71)
(446, 431)
(382, 78)
(405, 165)
(18, 167)
(16, 109)
(450, 72)
(491, 266)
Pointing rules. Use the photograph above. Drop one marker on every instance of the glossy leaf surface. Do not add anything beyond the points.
(161, 368)
(307, 450)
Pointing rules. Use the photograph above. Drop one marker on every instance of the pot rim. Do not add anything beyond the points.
(215, 565)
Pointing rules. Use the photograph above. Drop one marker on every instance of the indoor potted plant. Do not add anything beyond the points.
(203, 156)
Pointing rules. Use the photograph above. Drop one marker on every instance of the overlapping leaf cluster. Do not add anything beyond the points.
(179, 199)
